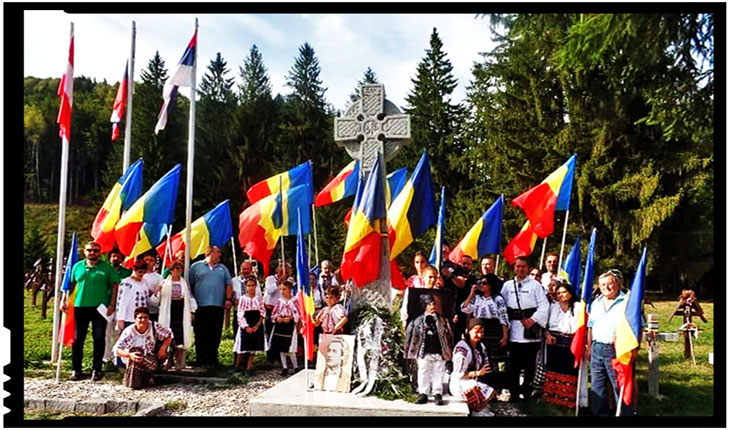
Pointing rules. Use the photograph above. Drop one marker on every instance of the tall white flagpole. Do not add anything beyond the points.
(235, 263)
(130, 92)
(314, 230)
(562, 243)
(191, 157)
(61, 232)
(542, 255)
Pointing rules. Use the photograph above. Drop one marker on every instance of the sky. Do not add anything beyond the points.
(345, 44)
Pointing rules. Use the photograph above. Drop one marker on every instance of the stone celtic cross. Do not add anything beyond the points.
(372, 125)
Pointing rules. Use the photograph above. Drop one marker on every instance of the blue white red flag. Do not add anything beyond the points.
(183, 77)
(66, 92)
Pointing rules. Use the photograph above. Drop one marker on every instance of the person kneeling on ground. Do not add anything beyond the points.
(428, 340)
(471, 366)
(142, 346)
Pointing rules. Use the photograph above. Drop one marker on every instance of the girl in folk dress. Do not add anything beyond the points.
(283, 337)
(250, 335)
(333, 317)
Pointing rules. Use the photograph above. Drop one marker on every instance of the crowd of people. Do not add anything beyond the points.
(494, 339)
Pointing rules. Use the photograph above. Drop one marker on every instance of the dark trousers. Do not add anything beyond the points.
(208, 329)
(522, 356)
(603, 381)
(84, 315)
(271, 355)
(234, 323)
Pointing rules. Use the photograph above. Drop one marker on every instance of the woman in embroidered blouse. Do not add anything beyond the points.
(485, 303)
(250, 335)
(177, 307)
(560, 374)
(136, 347)
(133, 293)
(471, 367)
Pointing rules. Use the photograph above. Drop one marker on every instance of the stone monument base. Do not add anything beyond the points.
(289, 398)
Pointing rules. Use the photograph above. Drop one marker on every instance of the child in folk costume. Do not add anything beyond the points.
(332, 317)
(283, 338)
(429, 340)
(250, 334)
(471, 366)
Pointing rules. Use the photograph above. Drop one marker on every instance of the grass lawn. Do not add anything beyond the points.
(679, 381)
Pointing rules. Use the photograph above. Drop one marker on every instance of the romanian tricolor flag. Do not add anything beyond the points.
(119, 102)
(69, 324)
(305, 300)
(521, 245)
(361, 257)
(394, 183)
(257, 231)
(553, 194)
(414, 209)
(437, 251)
(628, 332)
(484, 237)
(571, 267)
(124, 193)
(343, 185)
(578, 345)
(212, 229)
(146, 223)
(292, 200)
(300, 175)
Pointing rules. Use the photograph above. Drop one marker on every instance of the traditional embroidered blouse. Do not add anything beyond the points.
(130, 337)
(246, 303)
(486, 307)
(330, 316)
(285, 308)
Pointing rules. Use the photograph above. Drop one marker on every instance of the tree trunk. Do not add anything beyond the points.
(37, 172)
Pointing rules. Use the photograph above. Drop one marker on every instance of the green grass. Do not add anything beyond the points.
(679, 379)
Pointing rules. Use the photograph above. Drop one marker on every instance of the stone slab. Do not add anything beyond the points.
(146, 409)
(120, 407)
(289, 398)
(91, 407)
(61, 405)
(32, 403)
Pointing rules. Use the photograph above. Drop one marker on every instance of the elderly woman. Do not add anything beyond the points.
(561, 376)
(177, 307)
(142, 346)
(485, 303)
(471, 366)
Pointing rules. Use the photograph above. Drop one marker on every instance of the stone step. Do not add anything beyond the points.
(290, 398)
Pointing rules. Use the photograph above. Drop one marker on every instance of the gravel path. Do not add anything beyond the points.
(199, 400)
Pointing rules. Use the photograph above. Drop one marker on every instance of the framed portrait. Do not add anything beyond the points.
(333, 371)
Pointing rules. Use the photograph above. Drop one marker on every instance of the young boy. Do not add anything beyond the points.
(429, 340)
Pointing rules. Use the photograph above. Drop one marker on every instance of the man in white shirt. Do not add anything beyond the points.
(325, 280)
(551, 262)
(526, 306)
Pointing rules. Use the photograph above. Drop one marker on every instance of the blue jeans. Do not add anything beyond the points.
(602, 374)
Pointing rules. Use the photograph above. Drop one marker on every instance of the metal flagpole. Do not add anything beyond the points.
(281, 200)
(542, 255)
(60, 345)
(168, 248)
(235, 263)
(562, 243)
(61, 228)
(496, 266)
(191, 158)
(619, 401)
(130, 91)
(314, 230)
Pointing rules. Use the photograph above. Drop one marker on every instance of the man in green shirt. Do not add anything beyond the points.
(95, 282)
(116, 258)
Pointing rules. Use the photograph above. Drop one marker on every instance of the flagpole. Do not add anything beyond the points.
(496, 266)
(542, 255)
(619, 401)
(60, 348)
(562, 243)
(314, 229)
(130, 91)
(191, 157)
(235, 263)
(168, 249)
(281, 200)
(61, 231)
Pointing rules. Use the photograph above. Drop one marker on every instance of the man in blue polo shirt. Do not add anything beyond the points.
(606, 311)
(213, 291)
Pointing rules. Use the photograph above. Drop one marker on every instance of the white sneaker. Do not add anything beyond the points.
(483, 413)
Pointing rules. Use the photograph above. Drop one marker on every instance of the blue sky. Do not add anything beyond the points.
(392, 44)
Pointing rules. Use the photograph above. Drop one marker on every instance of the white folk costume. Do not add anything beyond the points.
(465, 360)
(131, 294)
(283, 336)
(561, 375)
(251, 310)
(176, 303)
(330, 316)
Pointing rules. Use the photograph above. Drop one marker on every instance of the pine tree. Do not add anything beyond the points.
(368, 77)
(255, 82)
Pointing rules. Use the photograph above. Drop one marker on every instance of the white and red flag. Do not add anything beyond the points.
(66, 91)
(119, 103)
(183, 77)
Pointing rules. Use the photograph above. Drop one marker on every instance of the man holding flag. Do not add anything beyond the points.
(606, 312)
(96, 284)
